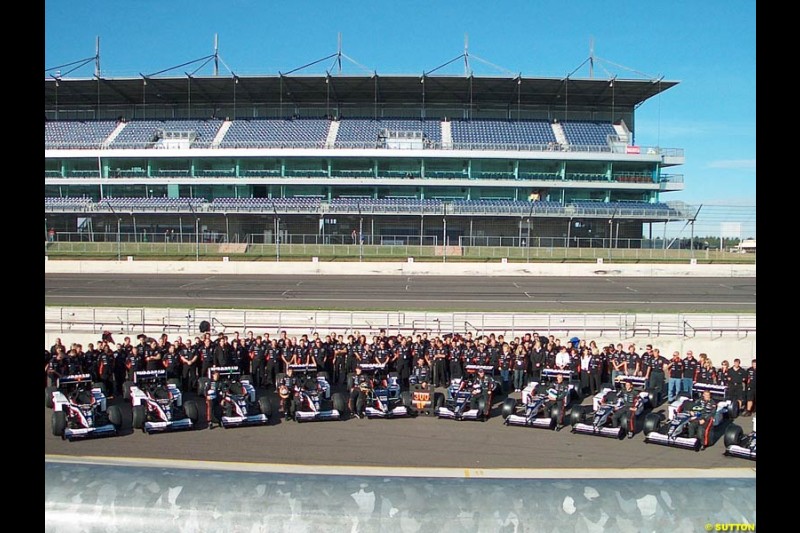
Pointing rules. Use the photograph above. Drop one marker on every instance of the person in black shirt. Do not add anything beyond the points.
(339, 375)
(628, 401)
(675, 369)
(700, 427)
(288, 389)
(358, 393)
(750, 389)
(105, 369)
(690, 368)
(421, 374)
(187, 354)
(520, 367)
(737, 376)
(537, 358)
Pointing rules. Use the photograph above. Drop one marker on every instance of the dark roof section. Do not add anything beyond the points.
(363, 89)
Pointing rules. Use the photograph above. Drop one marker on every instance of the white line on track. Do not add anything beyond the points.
(398, 471)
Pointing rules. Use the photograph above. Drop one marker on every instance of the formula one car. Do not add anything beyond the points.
(535, 410)
(157, 403)
(680, 413)
(80, 409)
(739, 444)
(604, 404)
(455, 404)
(314, 399)
(231, 399)
(385, 400)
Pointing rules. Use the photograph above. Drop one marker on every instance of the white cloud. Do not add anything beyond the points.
(733, 164)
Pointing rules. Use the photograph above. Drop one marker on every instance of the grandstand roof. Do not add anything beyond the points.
(347, 89)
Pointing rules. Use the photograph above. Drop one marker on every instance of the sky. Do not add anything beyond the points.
(708, 47)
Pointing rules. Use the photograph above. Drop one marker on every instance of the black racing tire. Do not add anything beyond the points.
(202, 385)
(126, 390)
(192, 410)
(340, 404)
(59, 423)
(652, 422)
(438, 401)
(265, 405)
(576, 416)
(115, 416)
(138, 417)
(405, 398)
(733, 434)
(509, 406)
(733, 411)
(48, 396)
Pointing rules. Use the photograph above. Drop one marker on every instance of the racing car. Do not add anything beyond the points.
(534, 409)
(385, 400)
(314, 399)
(680, 414)
(739, 444)
(157, 403)
(80, 409)
(455, 404)
(605, 403)
(537, 408)
(231, 399)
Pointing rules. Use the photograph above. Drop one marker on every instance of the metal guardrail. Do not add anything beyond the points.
(132, 321)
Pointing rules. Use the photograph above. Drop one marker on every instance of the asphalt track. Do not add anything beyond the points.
(413, 293)
(421, 442)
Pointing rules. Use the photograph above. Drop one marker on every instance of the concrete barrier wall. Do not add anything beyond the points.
(89, 497)
(399, 269)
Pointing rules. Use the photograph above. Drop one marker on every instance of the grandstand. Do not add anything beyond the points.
(434, 159)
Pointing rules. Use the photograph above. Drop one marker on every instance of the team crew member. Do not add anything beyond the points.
(737, 375)
(557, 393)
(628, 402)
(675, 369)
(358, 393)
(482, 388)
(456, 358)
(105, 370)
(537, 357)
(593, 370)
(133, 363)
(520, 366)
(189, 359)
(152, 356)
(206, 354)
(288, 389)
(750, 389)
(690, 369)
(339, 375)
(256, 354)
(421, 374)
(505, 363)
(700, 427)
(171, 362)
(706, 373)
(633, 363)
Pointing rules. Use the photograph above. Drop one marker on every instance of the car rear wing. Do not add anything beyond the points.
(717, 391)
(303, 369)
(74, 379)
(149, 376)
(225, 371)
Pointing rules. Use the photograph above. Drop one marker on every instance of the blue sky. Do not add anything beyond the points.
(709, 47)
